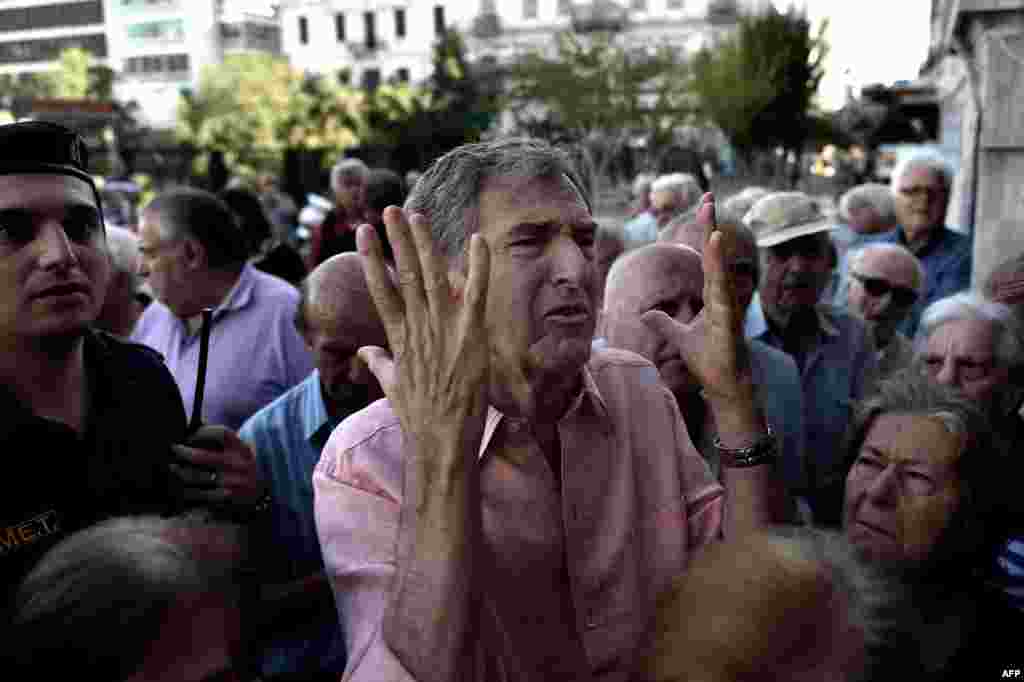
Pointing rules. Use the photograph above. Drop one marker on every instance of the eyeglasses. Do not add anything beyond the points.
(877, 287)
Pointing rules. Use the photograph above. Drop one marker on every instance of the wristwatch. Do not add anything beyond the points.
(763, 451)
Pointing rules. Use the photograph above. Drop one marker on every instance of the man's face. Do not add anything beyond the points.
(882, 291)
(53, 261)
(903, 488)
(920, 202)
(164, 265)
(672, 284)
(794, 274)
(350, 192)
(665, 204)
(541, 297)
(334, 333)
(961, 354)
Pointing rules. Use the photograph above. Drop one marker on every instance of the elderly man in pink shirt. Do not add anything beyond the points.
(515, 507)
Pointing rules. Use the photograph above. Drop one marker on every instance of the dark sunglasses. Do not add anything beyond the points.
(901, 296)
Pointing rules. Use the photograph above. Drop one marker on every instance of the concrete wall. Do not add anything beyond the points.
(981, 86)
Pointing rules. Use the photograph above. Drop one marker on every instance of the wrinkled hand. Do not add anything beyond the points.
(219, 469)
(712, 344)
(436, 373)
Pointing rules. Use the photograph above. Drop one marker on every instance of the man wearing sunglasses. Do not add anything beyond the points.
(885, 282)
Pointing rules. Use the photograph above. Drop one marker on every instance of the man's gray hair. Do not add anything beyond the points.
(858, 255)
(1008, 345)
(927, 160)
(737, 205)
(123, 246)
(349, 167)
(448, 194)
(683, 184)
(98, 599)
(873, 195)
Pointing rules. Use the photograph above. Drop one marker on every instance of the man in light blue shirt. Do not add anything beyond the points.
(832, 349)
(336, 317)
(194, 256)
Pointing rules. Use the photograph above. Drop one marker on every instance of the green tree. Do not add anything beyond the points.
(757, 85)
(254, 106)
(78, 76)
(599, 93)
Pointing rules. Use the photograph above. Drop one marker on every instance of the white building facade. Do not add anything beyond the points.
(379, 40)
(34, 32)
(159, 47)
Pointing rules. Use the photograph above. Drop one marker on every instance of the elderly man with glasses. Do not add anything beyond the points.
(885, 282)
(920, 186)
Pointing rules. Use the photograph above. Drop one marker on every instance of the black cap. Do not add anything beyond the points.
(43, 147)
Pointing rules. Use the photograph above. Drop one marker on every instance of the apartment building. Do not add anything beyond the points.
(371, 41)
(159, 47)
(34, 32)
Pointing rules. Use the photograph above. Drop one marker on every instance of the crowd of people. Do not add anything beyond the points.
(474, 434)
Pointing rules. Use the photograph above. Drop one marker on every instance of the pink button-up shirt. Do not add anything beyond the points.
(572, 571)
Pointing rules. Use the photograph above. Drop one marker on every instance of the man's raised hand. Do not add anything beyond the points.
(712, 345)
(436, 372)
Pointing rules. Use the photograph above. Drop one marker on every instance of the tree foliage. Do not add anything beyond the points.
(594, 91)
(77, 76)
(757, 84)
(253, 106)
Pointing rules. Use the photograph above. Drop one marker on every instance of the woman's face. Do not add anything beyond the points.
(903, 487)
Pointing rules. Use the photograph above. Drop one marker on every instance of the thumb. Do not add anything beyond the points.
(662, 324)
(380, 363)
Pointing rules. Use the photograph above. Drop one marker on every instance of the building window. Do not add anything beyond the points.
(564, 6)
(46, 49)
(439, 20)
(339, 26)
(674, 4)
(54, 15)
(529, 9)
(638, 5)
(399, 22)
(402, 75)
(303, 31)
(371, 79)
(370, 20)
(174, 65)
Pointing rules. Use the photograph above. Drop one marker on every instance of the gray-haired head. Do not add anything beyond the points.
(189, 212)
(683, 184)
(927, 160)
(1008, 335)
(737, 205)
(349, 167)
(874, 196)
(448, 193)
(98, 599)
(123, 245)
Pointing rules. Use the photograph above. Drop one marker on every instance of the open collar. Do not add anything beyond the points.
(587, 399)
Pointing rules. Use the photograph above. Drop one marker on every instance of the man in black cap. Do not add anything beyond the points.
(102, 415)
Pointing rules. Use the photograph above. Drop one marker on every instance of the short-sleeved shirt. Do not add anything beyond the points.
(947, 259)
(255, 355)
(287, 437)
(57, 481)
(572, 565)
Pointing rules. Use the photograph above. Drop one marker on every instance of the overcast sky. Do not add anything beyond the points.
(872, 41)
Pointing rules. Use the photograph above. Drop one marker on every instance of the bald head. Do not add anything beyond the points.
(665, 277)
(337, 317)
(903, 277)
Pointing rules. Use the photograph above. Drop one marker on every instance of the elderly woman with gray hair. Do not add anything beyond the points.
(927, 496)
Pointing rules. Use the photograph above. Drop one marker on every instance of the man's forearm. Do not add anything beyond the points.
(429, 619)
(755, 496)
